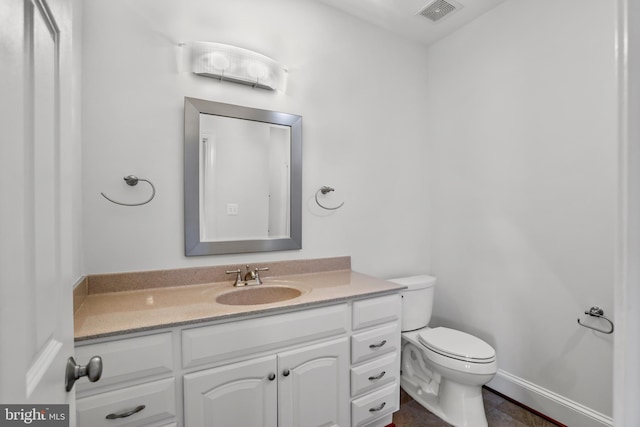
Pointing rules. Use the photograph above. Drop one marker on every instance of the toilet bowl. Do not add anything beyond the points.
(442, 369)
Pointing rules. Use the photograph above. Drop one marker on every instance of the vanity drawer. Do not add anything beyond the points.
(376, 311)
(375, 405)
(378, 372)
(375, 342)
(158, 398)
(127, 359)
(225, 341)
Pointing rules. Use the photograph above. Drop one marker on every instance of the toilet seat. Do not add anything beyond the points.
(457, 345)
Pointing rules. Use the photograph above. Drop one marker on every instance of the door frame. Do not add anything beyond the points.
(626, 371)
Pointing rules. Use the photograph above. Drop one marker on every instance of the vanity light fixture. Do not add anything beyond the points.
(238, 65)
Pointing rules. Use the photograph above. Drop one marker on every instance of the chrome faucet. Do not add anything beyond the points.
(251, 277)
(254, 275)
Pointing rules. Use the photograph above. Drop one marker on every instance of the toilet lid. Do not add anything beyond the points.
(457, 344)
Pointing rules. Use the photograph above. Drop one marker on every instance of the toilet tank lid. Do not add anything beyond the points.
(415, 282)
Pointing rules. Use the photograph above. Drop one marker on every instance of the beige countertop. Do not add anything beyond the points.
(115, 313)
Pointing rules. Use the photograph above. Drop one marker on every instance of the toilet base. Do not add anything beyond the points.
(457, 404)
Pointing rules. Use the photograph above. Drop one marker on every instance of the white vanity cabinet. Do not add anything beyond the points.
(293, 371)
(334, 365)
(301, 387)
(375, 359)
(137, 385)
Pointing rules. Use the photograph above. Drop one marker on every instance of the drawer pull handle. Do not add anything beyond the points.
(272, 376)
(126, 414)
(286, 372)
(378, 408)
(377, 377)
(380, 344)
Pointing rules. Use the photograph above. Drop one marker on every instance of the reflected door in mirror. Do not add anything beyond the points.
(244, 179)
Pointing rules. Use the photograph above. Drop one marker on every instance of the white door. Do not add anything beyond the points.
(240, 394)
(313, 385)
(36, 324)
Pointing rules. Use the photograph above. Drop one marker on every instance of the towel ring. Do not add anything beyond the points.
(133, 180)
(324, 190)
(596, 311)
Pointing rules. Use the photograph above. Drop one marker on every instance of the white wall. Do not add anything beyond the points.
(522, 160)
(360, 91)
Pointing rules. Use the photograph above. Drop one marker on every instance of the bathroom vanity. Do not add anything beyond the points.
(330, 356)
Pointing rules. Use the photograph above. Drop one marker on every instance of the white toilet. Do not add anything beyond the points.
(442, 369)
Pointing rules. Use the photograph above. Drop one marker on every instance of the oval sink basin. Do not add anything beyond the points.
(258, 294)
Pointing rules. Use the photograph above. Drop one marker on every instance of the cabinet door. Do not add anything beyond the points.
(239, 394)
(313, 385)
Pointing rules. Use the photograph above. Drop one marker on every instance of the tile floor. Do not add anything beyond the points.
(500, 413)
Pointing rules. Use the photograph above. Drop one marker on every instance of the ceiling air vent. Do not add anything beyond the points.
(439, 9)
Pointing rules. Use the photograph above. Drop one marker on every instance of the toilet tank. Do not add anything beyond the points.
(417, 300)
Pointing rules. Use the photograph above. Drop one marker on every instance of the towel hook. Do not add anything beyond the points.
(324, 190)
(133, 180)
(596, 311)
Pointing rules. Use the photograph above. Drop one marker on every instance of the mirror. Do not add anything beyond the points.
(242, 179)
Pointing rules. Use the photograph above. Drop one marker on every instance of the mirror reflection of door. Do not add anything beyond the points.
(244, 179)
(279, 178)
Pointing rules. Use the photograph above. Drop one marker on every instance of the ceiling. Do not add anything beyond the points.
(401, 16)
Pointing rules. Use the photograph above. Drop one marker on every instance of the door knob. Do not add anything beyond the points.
(92, 370)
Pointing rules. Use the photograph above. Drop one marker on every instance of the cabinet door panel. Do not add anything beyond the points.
(313, 385)
(239, 394)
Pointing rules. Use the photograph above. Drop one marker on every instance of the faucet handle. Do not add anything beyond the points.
(257, 273)
(238, 281)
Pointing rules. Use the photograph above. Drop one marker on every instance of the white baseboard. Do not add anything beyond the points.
(561, 409)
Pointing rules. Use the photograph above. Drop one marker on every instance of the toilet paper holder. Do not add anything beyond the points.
(596, 311)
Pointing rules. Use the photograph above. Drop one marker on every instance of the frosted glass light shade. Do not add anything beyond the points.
(234, 64)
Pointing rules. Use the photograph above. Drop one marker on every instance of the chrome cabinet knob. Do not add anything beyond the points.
(92, 370)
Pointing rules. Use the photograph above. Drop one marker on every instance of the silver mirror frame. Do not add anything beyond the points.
(193, 245)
